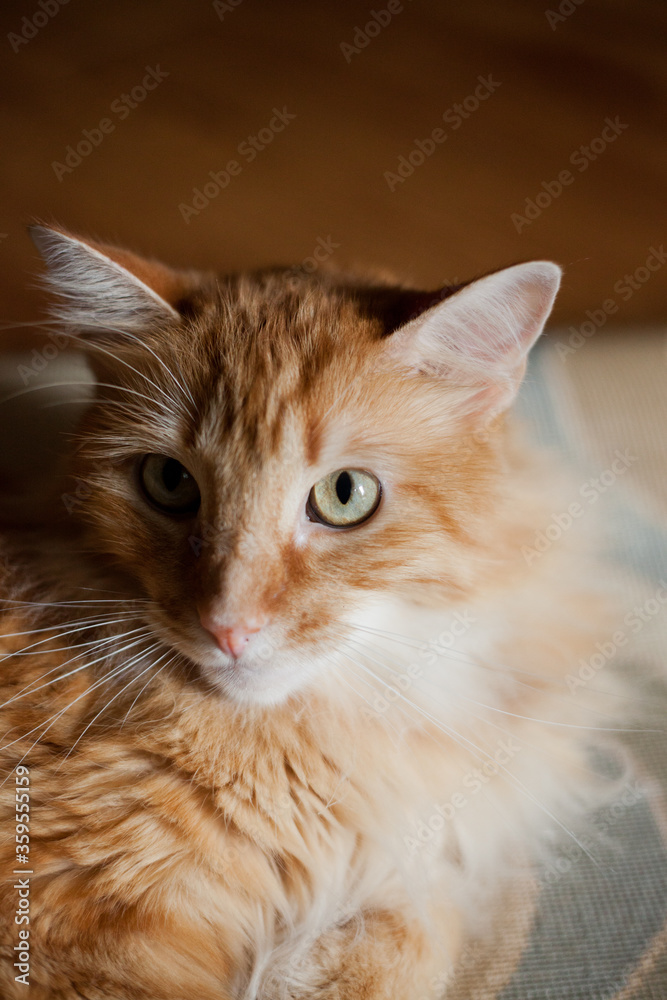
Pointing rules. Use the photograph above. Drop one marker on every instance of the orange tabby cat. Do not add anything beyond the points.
(279, 694)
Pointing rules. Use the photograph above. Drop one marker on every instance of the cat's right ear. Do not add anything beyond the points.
(104, 289)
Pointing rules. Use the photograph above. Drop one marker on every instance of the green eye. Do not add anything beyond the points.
(168, 485)
(344, 498)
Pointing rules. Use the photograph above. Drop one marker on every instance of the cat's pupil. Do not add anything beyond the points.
(173, 474)
(344, 487)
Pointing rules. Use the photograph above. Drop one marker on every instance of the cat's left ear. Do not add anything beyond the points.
(478, 338)
(105, 288)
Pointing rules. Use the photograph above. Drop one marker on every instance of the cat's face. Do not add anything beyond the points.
(268, 462)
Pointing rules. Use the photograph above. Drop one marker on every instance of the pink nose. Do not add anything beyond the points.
(231, 639)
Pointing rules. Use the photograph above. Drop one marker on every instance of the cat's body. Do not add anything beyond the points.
(315, 748)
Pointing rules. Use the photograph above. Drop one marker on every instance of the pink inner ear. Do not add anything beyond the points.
(481, 335)
(497, 395)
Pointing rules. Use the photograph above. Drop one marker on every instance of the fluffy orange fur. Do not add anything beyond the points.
(287, 824)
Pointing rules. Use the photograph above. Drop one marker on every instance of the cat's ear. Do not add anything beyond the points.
(105, 288)
(480, 336)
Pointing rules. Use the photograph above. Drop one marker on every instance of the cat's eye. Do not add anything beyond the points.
(168, 485)
(344, 498)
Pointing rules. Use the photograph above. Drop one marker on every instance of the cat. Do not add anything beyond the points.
(281, 685)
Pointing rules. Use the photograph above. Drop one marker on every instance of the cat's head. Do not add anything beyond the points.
(269, 455)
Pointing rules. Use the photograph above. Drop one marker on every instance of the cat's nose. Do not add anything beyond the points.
(231, 639)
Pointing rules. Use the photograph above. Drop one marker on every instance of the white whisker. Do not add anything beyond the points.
(28, 690)
(136, 659)
(110, 675)
(149, 681)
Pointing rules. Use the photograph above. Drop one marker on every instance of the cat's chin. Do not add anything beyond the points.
(255, 683)
(263, 676)
(253, 680)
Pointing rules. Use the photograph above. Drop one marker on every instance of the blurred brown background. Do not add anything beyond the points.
(558, 69)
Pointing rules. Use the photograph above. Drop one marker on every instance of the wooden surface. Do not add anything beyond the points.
(322, 178)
